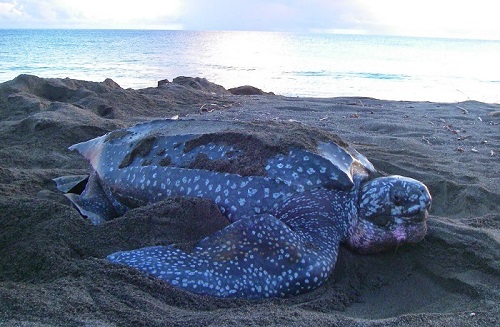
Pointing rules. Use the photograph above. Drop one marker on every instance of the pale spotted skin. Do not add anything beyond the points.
(288, 253)
(286, 225)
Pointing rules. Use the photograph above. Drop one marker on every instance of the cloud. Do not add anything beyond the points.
(443, 18)
(475, 19)
(124, 11)
(30, 13)
(8, 9)
(299, 15)
(89, 13)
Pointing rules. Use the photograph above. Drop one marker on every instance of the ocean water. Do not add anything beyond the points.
(315, 65)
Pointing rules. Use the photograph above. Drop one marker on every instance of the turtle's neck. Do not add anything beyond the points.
(321, 217)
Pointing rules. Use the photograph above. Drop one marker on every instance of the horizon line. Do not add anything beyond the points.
(311, 31)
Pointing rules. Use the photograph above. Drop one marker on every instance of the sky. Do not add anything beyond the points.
(476, 19)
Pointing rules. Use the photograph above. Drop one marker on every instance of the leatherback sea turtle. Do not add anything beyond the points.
(291, 193)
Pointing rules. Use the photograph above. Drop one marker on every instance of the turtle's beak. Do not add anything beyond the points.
(419, 217)
(422, 215)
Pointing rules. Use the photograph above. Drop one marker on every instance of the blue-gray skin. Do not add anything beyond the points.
(286, 226)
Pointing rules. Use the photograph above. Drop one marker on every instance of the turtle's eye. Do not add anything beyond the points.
(381, 220)
(397, 198)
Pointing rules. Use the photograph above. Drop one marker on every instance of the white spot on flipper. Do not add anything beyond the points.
(251, 191)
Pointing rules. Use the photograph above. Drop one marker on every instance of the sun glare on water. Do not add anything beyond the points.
(259, 56)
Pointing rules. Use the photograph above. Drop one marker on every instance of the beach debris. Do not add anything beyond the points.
(174, 117)
(464, 111)
(492, 153)
(462, 138)
(464, 95)
(355, 115)
(203, 109)
(451, 129)
(479, 118)
(474, 150)
(426, 140)
(460, 149)
(323, 118)
(484, 141)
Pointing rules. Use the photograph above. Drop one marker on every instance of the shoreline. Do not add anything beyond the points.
(52, 261)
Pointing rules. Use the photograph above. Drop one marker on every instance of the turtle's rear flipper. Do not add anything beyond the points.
(88, 196)
(254, 257)
(71, 184)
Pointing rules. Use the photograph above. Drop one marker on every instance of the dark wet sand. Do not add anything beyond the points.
(52, 267)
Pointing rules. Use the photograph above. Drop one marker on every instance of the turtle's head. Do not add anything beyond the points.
(392, 210)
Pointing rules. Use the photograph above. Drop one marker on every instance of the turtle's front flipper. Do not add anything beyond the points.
(254, 257)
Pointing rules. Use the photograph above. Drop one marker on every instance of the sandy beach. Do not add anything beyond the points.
(53, 270)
